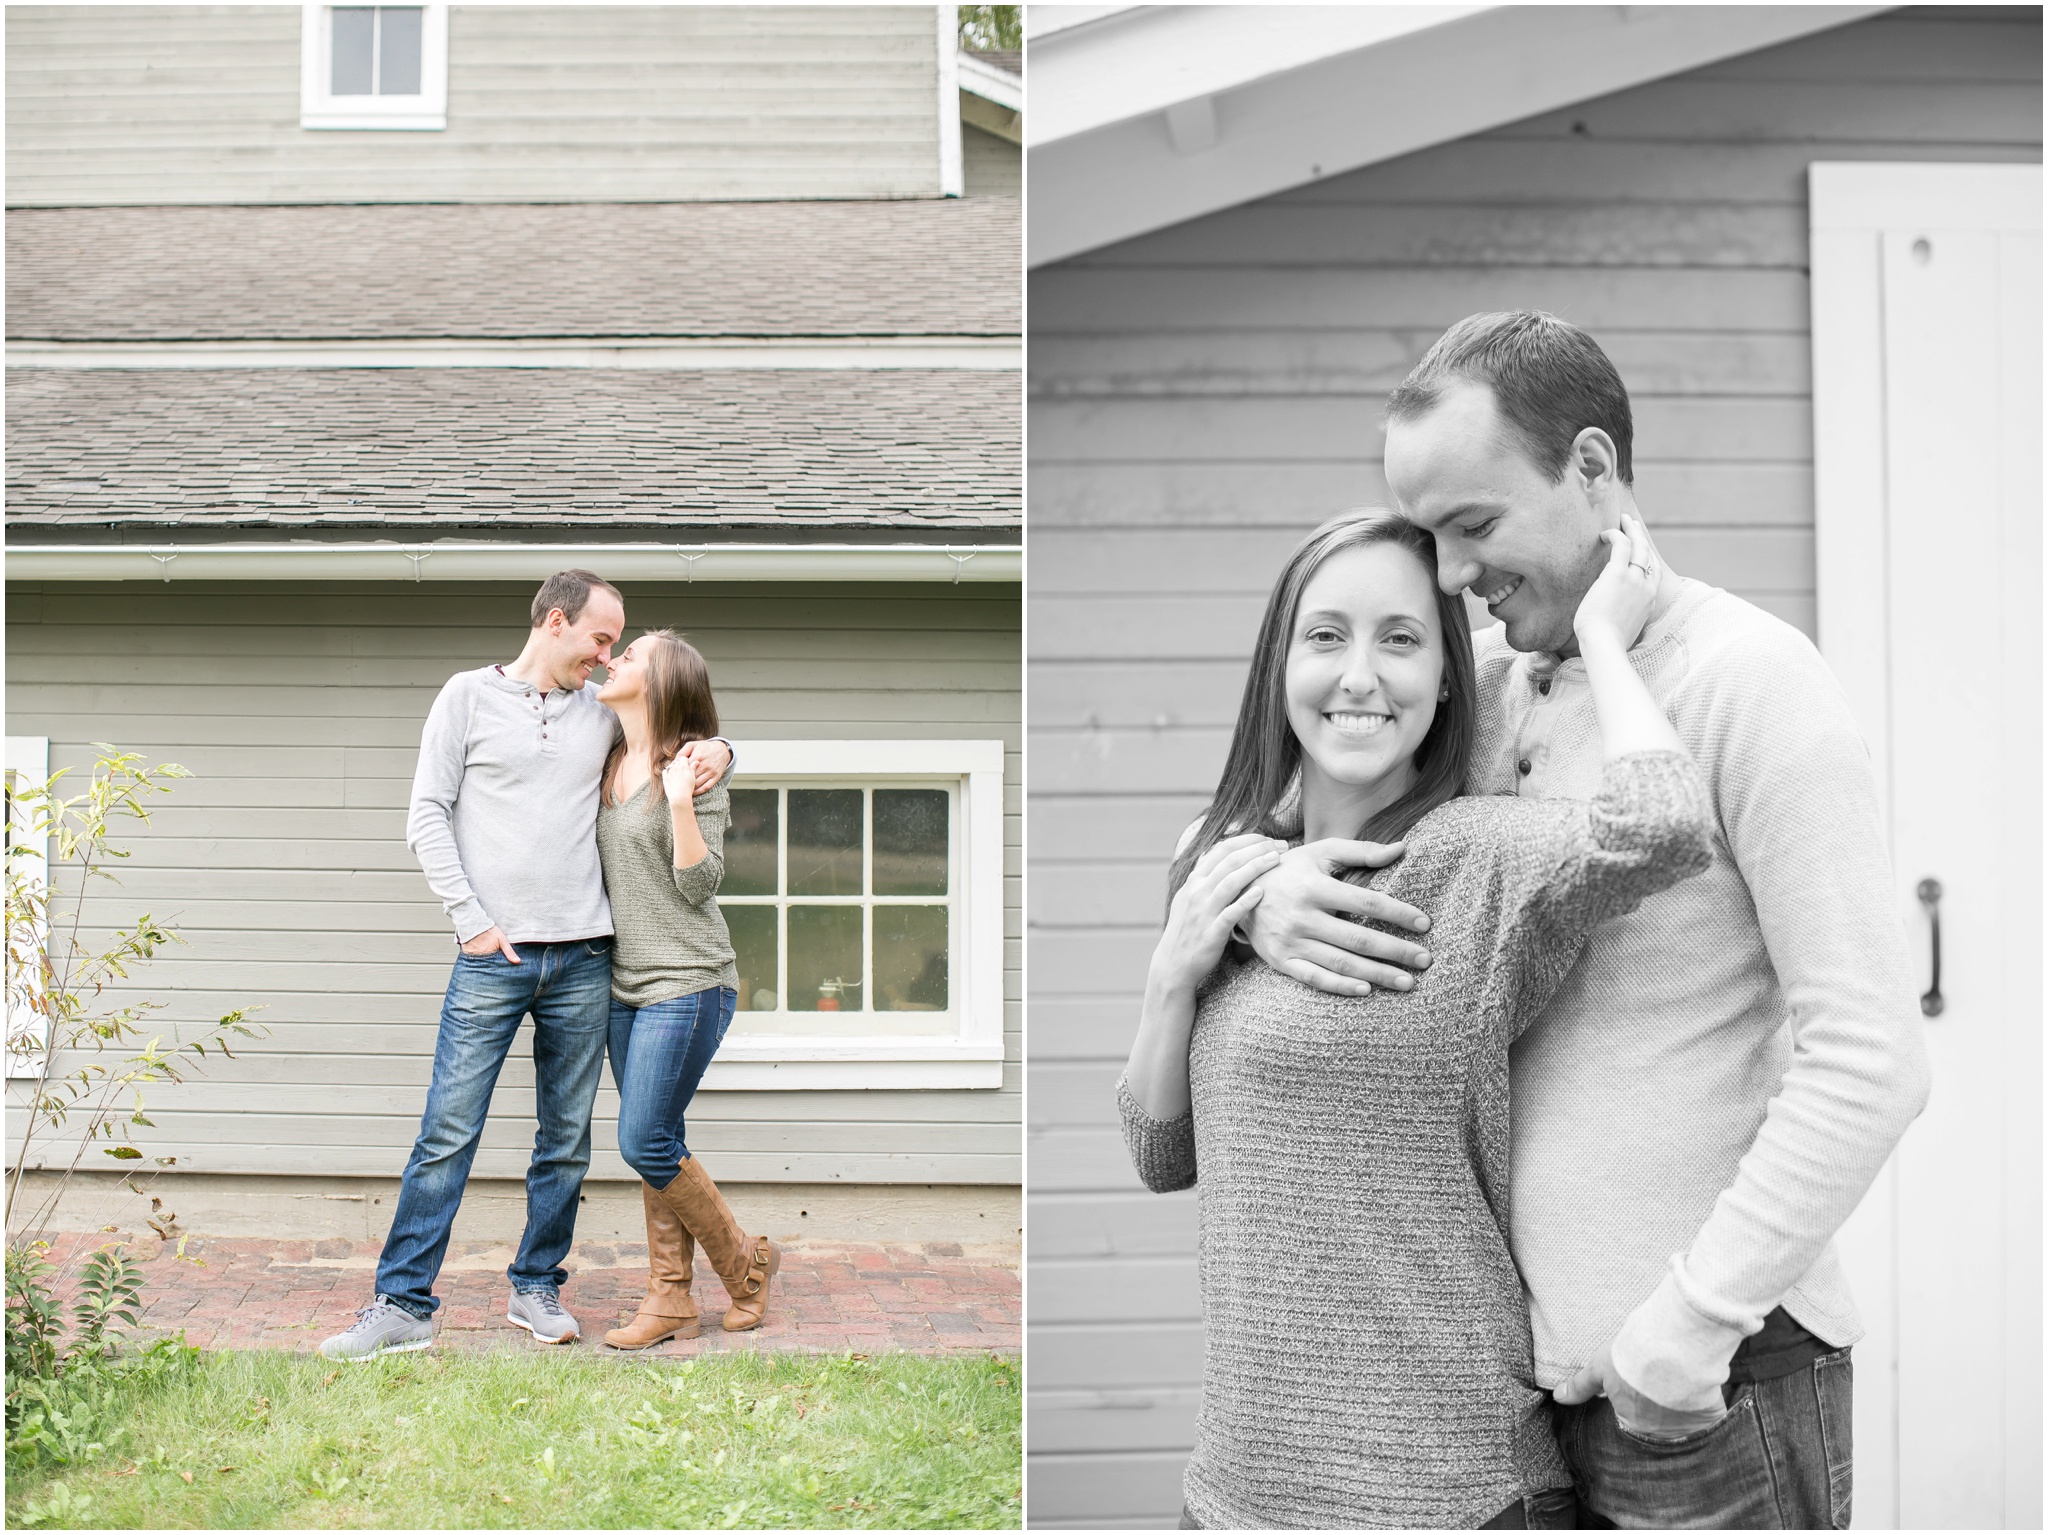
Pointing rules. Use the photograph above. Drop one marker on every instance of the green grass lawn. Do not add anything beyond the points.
(550, 1439)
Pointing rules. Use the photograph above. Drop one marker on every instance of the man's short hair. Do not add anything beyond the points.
(570, 591)
(1550, 381)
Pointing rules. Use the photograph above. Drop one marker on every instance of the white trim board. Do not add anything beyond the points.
(1154, 115)
(980, 78)
(387, 561)
(952, 156)
(28, 758)
(679, 354)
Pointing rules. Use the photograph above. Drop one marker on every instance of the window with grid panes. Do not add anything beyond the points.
(843, 900)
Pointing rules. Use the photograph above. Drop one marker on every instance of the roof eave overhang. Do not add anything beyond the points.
(1150, 116)
(457, 560)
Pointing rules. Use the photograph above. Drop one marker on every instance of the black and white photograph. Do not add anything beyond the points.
(1534, 696)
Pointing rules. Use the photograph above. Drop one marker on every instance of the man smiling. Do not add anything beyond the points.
(1726, 1069)
(504, 822)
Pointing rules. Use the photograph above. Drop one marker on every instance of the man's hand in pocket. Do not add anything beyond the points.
(1636, 1413)
(492, 940)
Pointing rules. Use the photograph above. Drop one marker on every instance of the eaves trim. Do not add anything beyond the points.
(801, 353)
(454, 561)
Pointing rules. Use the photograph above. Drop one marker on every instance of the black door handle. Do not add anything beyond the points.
(1931, 1003)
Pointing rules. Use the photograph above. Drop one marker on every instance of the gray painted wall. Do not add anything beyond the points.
(672, 103)
(992, 167)
(298, 708)
(1201, 396)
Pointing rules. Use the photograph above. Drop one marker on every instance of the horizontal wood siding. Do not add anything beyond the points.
(992, 167)
(1203, 395)
(668, 103)
(283, 859)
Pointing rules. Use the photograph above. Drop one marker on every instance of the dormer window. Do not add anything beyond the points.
(375, 50)
(374, 67)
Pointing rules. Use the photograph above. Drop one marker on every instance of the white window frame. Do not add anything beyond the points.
(320, 109)
(972, 1055)
(28, 760)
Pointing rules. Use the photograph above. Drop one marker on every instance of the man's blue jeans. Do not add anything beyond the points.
(1780, 1460)
(568, 989)
(659, 1054)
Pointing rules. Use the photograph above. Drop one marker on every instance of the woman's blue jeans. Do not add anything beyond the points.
(659, 1055)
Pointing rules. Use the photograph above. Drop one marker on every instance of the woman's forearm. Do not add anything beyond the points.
(689, 837)
(1630, 720)
(1158, 1071)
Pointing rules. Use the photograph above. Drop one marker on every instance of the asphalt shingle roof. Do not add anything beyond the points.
(934, 267)
(501, 448)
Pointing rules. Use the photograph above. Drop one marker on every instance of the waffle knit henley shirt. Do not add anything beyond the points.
(504, 808)
(1725, 1070)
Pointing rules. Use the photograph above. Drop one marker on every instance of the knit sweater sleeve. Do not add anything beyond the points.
(1162, 1150)
(1648, 827)
(700, 881)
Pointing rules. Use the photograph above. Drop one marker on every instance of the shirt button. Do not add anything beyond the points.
(1522, 767)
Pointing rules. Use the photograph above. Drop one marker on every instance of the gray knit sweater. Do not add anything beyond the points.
(671, 937)
(1368, 1358)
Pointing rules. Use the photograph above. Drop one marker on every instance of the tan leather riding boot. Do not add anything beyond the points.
(668, 1311)
(744, 1264)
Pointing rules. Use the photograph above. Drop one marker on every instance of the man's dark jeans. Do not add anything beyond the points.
(1780, 1460)
(568, 989)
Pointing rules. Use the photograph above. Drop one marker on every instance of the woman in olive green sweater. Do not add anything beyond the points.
(673, 982)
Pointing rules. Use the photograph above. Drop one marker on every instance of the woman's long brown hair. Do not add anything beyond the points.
(680, 709)
(1265, 755)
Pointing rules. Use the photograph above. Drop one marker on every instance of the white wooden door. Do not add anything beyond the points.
(1927, 404)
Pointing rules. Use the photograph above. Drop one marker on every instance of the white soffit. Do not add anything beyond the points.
(980, 78)
(1147, 116)
(456, 561)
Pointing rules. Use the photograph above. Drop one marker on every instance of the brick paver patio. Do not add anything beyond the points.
(828, 1297)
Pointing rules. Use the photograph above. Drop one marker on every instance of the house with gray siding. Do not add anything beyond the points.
(333, 331)
(1244, 232)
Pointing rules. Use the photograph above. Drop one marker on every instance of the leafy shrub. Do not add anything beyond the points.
(64, 1397)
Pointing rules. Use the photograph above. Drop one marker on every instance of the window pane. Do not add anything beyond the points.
(750, 843)
(354, 33)
(910, 956)
(753, 947)
(910, 843)
(824, 956)
(398, 51)
(824, 845)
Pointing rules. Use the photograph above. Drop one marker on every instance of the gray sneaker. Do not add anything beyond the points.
(540, 1313)
(382, 1327)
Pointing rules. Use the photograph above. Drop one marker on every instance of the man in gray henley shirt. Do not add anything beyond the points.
(504, 822)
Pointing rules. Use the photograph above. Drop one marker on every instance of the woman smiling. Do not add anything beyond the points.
(1368, 1355)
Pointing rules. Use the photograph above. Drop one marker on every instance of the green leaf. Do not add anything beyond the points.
(125, 1153)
